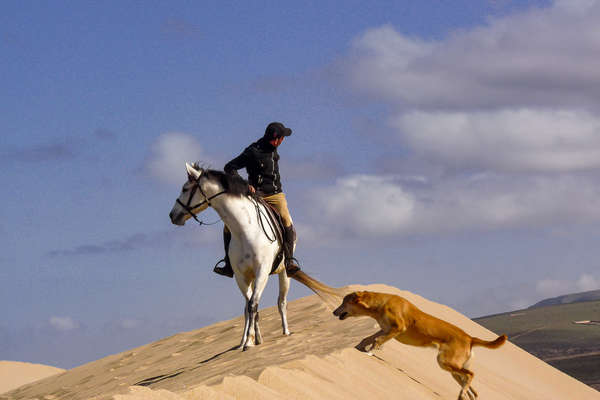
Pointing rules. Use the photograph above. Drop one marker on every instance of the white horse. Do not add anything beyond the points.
(251, 251)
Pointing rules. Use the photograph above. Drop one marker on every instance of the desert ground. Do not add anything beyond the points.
(318, 361)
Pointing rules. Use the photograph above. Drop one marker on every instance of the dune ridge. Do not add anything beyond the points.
(317, 361)
(14, 374)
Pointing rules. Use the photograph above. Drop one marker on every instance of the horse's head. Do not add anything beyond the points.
(195, 195)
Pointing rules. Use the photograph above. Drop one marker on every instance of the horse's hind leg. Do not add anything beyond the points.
(284, 286)
(258, 337)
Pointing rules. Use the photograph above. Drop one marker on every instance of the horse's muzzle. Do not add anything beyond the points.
(177, 218)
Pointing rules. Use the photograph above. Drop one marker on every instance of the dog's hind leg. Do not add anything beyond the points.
(460, 379)
(452, 360)
(472, 392)
(467, 379)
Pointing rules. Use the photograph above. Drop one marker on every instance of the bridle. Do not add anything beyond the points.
(189, 209)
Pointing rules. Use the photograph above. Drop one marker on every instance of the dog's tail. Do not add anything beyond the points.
(493, 344)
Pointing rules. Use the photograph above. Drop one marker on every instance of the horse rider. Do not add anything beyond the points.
(261, 161)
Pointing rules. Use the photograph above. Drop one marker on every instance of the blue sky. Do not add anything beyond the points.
(447, 148)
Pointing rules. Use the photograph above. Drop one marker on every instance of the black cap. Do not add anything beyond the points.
(276, 130)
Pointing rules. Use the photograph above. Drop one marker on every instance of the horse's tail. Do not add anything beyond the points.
(322, 290)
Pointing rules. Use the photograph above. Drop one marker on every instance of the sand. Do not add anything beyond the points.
(14, 374)
(318, 361)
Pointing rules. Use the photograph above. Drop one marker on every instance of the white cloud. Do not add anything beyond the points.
(542, 57)
(63, 324)
(170, 152)
(576, 6)
(517, 94)
(508, 140)
(554, 287)
(513, 102)
(365, 205)
(372, 206)
(587, 282)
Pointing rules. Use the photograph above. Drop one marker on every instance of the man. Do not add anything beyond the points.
(261, 161)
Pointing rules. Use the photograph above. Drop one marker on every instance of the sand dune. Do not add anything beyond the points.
(317, 361)
(14, 374)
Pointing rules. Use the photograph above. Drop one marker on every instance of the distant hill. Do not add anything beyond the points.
(593, 295)
(549, 332)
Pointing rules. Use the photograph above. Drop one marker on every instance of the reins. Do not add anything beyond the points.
(189, 209)
(260, 214)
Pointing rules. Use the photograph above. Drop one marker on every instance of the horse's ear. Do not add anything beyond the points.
(192, 172)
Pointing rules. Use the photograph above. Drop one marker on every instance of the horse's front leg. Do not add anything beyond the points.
(249, 333)
(246, 326)
(284, 286)
(246, 290)
(259, 285)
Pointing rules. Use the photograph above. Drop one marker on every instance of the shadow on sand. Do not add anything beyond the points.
(160, 378)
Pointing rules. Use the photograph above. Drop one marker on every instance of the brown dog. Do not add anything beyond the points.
(401, 320)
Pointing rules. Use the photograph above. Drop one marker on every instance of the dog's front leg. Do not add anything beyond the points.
(367, 344)
(381, 339)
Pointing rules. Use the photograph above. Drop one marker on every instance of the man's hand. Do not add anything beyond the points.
(251, 189)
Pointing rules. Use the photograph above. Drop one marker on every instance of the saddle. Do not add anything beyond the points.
(274, 226)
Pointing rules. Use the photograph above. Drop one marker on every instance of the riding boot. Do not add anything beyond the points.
(226, 270)
(289, 238)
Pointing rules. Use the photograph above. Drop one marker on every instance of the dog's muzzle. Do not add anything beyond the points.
(339, 312)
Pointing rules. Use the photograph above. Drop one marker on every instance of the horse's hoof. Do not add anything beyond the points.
(288, 333)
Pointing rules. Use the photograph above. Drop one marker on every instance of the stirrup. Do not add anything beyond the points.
(225, 271)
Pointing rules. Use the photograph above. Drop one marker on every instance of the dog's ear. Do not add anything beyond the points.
(360, 299)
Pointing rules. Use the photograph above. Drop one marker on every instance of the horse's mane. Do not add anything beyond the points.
(233, 184)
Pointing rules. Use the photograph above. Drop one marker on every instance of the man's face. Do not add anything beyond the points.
(277, 142)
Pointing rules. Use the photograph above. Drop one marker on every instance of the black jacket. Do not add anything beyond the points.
(261, 161)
